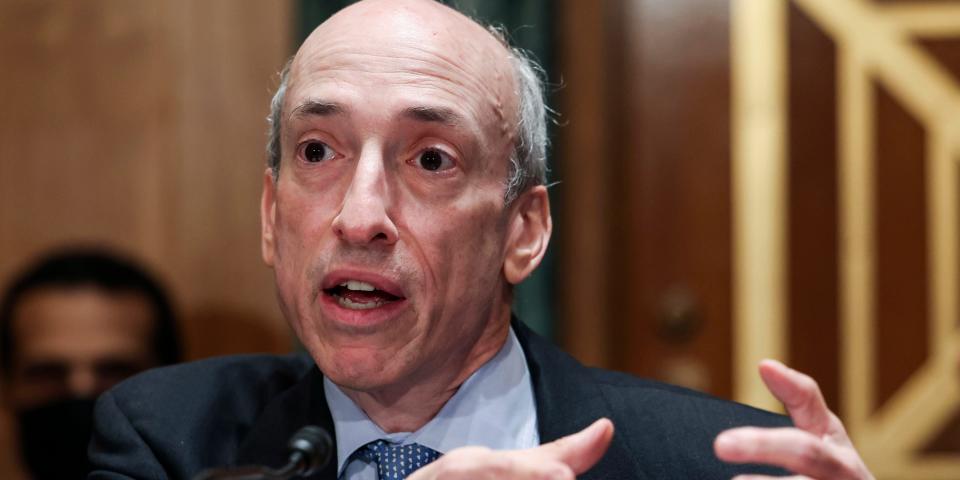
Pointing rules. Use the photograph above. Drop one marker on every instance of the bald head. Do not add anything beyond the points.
(416, 41)
(425, 43)
(385, 27)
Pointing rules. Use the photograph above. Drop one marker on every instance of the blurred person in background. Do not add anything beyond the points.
(73, 324)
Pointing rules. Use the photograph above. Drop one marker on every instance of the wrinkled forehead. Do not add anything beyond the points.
(415, 42)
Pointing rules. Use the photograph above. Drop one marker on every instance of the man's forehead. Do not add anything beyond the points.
(81, 308)
(416, 35)
(420, 59)
(423, 113)
(404, 20)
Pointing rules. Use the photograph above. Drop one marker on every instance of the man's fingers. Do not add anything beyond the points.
(817, 448)
(796, 450)
(561, 459)
(801, 396)
(583, 449)
(480, 463)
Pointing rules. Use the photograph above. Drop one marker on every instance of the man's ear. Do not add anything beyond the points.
(268, 215)
(528, 233)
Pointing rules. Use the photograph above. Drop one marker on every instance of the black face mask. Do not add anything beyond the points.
(54, 438)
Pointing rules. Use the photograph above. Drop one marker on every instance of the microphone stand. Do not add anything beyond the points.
(311, 450)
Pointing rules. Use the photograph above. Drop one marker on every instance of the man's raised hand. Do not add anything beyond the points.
(562, 459)
(817, 448)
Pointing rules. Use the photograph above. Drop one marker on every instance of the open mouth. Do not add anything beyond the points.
(357, 295)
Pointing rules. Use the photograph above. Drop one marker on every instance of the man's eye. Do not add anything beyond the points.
(315, 152)
(434, 160)
(46, 372)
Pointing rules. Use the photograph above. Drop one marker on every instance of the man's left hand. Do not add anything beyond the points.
(818, 447)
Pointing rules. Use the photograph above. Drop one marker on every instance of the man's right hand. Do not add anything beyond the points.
(562, 459)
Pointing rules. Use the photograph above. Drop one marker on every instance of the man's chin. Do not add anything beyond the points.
(364, 384)
(361, 371)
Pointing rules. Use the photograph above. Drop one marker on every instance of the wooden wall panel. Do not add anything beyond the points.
(645, 225)
(902, 290)
(84, 96)
(212, 221)
(813, 276)
(679, 314)
(140, 125)
(870, 113)
(582, 146)
(946, 51)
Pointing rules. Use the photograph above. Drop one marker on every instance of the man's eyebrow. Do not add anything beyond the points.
(318, 108)
(442, 115)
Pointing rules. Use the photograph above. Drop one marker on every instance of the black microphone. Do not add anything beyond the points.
(310, 450)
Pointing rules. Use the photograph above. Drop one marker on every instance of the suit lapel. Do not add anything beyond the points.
(303, 404)
(568, 400)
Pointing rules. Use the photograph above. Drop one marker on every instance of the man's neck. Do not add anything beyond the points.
(408, 407)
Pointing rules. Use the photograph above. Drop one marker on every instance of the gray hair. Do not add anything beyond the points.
(528, 161)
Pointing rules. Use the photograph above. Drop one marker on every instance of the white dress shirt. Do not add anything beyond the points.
(493, 408)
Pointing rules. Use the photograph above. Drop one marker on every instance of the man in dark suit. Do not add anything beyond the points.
(403, 200)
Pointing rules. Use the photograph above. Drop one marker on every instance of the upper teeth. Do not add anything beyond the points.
(357, 285)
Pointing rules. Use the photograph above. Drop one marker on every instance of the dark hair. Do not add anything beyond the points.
(90, 267)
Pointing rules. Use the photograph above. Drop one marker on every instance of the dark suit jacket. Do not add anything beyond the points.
(176, 421)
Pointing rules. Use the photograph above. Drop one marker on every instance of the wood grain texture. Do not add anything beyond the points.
(583, 148)
(902, 286)
(679, 208)
(140, 125)
(814, 304)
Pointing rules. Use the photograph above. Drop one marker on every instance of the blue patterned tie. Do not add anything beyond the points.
(395, 462)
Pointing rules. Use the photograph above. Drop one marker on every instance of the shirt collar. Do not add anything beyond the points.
(493, 408)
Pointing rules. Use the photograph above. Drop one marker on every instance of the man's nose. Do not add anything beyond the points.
(82, 382)
(364, 216)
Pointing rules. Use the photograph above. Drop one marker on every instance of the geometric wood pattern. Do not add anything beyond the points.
(881, 65)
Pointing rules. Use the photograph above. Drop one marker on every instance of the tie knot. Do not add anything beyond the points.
(395, 462)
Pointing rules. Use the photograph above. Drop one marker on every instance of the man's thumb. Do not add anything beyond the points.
(583, 449)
